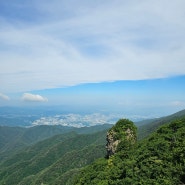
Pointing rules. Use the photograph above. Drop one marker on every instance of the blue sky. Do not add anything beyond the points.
(119, 54)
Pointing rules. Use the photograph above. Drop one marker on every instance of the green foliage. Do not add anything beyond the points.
(63, 159)
(146, 127)
(159, 159)
(13, 139)
(46, 161)
(125, 132)
(71, 160)
(121, 127)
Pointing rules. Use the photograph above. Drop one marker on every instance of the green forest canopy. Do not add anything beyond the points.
(159, 159)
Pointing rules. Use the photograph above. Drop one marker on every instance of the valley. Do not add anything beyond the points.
(53, 154)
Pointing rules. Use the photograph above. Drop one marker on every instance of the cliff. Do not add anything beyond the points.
(121, 136)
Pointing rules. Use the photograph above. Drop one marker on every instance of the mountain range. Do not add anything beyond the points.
(57, 154)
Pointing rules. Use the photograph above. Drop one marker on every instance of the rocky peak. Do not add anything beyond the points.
(121, 135)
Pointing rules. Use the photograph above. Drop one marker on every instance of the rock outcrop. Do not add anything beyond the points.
(111, 143)
(122, 134)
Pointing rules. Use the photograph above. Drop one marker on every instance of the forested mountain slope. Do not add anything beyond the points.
(69, 149)
(13, 139)
(159, 159)
(54, 155)
(62, 171)
(146, 127)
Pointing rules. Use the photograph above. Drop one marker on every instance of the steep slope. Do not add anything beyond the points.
(43, 155)
(74, 160)
(13, 139)
(57, 159)
(9, 134)
(146, 127)
(10, 140)
(159, 159)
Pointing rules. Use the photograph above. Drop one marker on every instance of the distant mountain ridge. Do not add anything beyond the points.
(173, 116)
(77, 149)
(15, 138)
(12, 139)
(55, 154)
(146, 127)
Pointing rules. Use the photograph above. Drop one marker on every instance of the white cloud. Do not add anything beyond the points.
(82, 42)
(4, 97)
(33, 98)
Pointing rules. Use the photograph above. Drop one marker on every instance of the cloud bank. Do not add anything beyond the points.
(49, 44)
(28, 97)
(4, 97)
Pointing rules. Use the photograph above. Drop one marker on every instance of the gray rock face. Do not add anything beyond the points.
(112, 143)
(121, 135)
